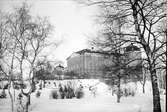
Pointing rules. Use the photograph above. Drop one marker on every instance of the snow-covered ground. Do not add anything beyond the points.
(102, 102)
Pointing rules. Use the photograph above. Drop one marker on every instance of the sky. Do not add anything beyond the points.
(73, 23)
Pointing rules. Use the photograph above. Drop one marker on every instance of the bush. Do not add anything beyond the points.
(133, 93)
(38, 94)
(128, 92)
(5, 86)
(40, 86)
(3, 94)
(54, 94)
(70, 93)
(79, 93)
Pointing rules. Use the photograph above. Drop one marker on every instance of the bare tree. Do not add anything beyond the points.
(116, 72)
(28, 37)
(121, 68)
(43, 71)
(142, 18)
(7, 50)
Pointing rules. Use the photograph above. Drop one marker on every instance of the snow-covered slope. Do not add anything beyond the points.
(103, 101)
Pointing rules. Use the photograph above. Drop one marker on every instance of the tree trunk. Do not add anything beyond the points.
(27, 103)
(14, 93)
(43, 83)
(29, 99)
(11, 98)
(143, 88)
(26, 107)
(143, 85)
(119, 91)
(156, 95)
(112, 91)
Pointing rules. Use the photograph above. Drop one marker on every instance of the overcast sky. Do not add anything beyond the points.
(73, 23)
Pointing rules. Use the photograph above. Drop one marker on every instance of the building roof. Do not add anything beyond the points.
(131, 47)
(89, 51)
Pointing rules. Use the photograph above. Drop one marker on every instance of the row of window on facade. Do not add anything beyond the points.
(91, 62)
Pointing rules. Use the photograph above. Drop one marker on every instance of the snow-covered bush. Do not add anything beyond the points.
(70, 93)
(93, 90)
(54, 94)
(133, 93)
(128, 92)
(3, 94)
(79, 93)
(40, 86)
(38, 94)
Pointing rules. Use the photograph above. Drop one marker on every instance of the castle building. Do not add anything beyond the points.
(90, 62)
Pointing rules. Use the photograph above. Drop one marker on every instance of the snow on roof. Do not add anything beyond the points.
(87, 51)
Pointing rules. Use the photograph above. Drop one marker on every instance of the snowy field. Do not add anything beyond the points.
(103, 101)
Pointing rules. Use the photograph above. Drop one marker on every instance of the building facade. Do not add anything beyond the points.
(90, 62)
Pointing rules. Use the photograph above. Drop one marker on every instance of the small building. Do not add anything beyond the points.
(59, 71)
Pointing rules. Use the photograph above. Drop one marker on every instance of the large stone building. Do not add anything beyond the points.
(90, 62)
